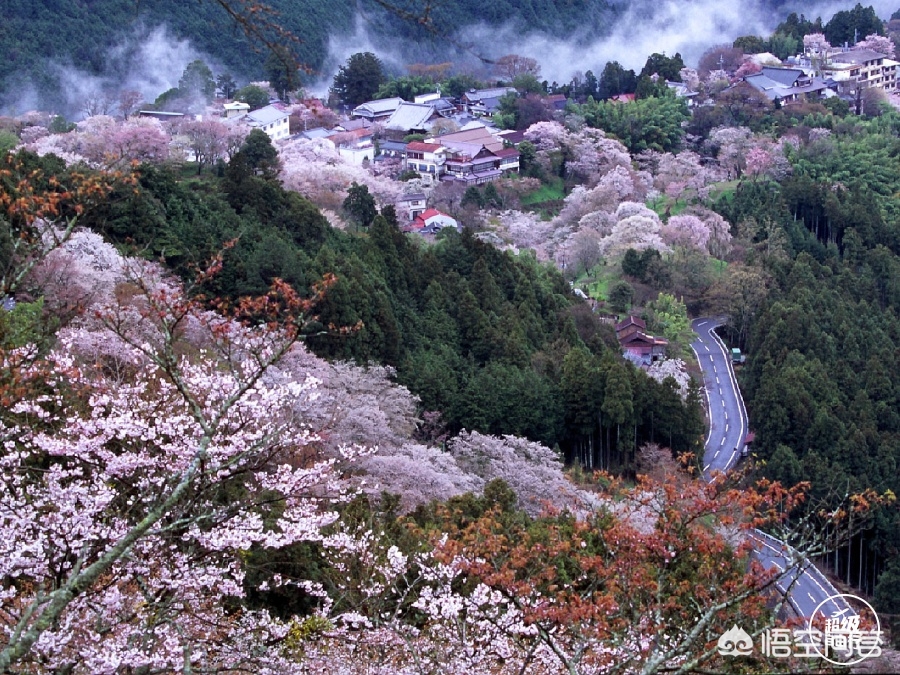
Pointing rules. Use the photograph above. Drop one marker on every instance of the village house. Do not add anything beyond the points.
(412, 205)
(786, 85)
(273, 121)
(484, 101)
(236, 109)
(379, 110)
(411, 118)
(859, 69)
(637, 344)
(426, 158)
(473, 156)
(430, 221)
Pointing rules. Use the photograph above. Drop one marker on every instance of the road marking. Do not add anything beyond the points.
(726, 428)
(717, 382)
(717, 454)
(726, 415)
(723, 402)
(810, 596)
(723, 441)
(710, 357)
(701, 324)
(706, 468)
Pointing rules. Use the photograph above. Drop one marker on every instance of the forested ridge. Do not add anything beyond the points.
(39, 39)
(251, 425)
(482, 337)
(820, 382)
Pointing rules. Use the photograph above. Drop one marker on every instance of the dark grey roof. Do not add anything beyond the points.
(858, 56)
(318, 132)
(266, 115)
(410, 116)
(413, 197)
(783, 76)
(392, 146)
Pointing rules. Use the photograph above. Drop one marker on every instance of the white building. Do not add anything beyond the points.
(271, 120)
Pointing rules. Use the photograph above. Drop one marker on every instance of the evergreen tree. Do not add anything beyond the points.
(358, 81)
(360, 205)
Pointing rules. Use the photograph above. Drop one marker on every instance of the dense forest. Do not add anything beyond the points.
(482, 337)
(249, 424)
(41, 41)
(819, 383)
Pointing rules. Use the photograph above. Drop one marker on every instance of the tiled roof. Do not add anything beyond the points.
(267, 115)
(382, 106)
(858, 56)
(419, 146)
(410, 116)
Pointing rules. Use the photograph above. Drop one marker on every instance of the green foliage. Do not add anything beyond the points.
(646, 124)
(60, 125)
(197, 81)
(621, 295)
(8, 141)
(750, 44)
(667, 67)
(616, 80)
(226, 85)
(360, 205)
(24, 324)
(798, 26)
(667, 316)
(359, 79)
(255, 97)
(260, 155)
(282, 72)
(457, 85)
(406, 87)
(855, 24)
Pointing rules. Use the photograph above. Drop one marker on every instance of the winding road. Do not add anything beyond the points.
(805, 585)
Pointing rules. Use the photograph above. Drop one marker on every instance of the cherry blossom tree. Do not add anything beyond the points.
(758, 161)
(687, 231)
(315, 169)
(748, 67)
(39, 213)
(587, 153)
(207, 140)
(123, 551)
(816, 47)
(877, 43)
(732, 145)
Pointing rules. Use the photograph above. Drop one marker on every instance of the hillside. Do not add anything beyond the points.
(55, 50)
(43, 41)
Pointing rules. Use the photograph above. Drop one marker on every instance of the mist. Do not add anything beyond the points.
(688, 27)
(150, 60)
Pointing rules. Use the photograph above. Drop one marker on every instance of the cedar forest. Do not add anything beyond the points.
(249, 425)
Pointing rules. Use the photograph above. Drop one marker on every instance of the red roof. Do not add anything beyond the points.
(430, 213)
(507, 152)
(631, 321)
(419, 146)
